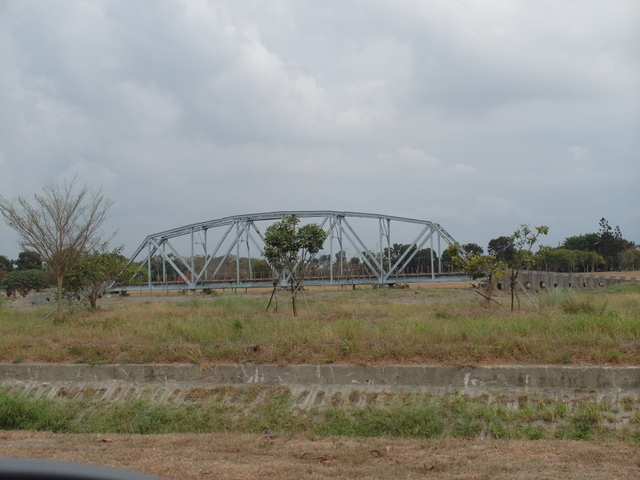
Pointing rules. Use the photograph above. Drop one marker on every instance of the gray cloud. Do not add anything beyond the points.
(480, 117)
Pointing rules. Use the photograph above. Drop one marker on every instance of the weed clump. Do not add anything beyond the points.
(557, 296)
(578, 306)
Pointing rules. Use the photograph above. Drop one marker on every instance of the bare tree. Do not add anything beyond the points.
(61, 225)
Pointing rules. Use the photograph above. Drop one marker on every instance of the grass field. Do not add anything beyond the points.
(451, 438)
(382, 326)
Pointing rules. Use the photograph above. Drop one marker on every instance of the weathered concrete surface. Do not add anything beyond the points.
(468, 377)
(316, 384)
(536, 280)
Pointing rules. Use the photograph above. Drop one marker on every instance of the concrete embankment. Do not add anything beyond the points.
(317, 385)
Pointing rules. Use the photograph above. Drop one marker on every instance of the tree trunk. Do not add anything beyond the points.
(488, 292)
(59, 280)
(93, 300)
(512, 286)
(293, 296)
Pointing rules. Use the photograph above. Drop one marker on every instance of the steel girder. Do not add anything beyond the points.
(235, 236)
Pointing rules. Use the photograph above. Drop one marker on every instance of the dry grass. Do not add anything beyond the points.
(417, 326)
(427, 325)
(241, 456)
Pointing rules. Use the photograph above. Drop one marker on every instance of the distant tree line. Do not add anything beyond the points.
(605, 250)
(614, 252)
(23, 275)
(87, 281)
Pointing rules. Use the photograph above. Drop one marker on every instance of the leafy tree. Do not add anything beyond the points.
(563, 260)
(394, 253)
(503, 248)
(587, 242)
(522, 241)
(287, 249)
(611, 245)
(566, 260)
(61, 225)
(447, 259)
(589, 260)
(23, 282)
(606, 247)
(162, 270)
(324, 261)
(479, 267)
(543, 257)
(340, 257)
(6, 265)
(92, 277)
(607, 243)
(630, 258)
(28, 260)
(418, 259)
(473, 248)
(357, 266)
(260, 268)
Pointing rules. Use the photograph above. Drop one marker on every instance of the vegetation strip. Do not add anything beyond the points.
(390, 326)
(396, 415)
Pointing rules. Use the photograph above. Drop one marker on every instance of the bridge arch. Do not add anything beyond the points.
(226, 252)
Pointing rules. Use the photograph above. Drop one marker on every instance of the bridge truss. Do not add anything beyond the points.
(225, 253)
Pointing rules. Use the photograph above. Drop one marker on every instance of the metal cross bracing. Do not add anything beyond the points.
(226, 253)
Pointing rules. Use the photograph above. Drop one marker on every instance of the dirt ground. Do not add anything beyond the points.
(242, 457)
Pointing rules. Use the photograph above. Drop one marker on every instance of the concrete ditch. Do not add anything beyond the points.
(318, 385)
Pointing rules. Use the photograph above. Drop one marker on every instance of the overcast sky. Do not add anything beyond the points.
(478, 115)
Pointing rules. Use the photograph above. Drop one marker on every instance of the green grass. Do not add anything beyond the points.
(356, 327)
(365, 326)
(414, 415)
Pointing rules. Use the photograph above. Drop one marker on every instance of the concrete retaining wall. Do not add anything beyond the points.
(315, 384)
(544, 280)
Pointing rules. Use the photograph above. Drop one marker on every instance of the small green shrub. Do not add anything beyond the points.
(557, 296)
(577, 306)
(237, 326)
(17, 413)
(89, 354)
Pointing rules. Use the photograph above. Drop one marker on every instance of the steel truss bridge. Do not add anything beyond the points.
(225, 253)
